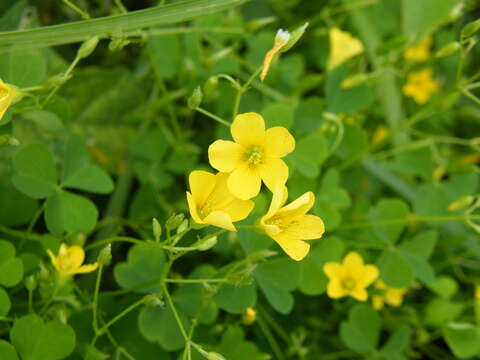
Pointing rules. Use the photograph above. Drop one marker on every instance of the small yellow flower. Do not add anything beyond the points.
(6, 97)
(289, 225)
(420, 86)
(69, 261)
(210, 202)
(351, 277)
(249, 316)
(281, 39)
(254, 156)
(388, 295)
(419, 52)
(343, 46)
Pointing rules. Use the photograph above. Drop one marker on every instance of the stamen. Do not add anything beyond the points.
(348, 284)
(254, 156)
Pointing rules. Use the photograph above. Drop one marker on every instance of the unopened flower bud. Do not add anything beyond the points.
(249, 316)
(153, 300)
(215, 356)
(105, 256)
(195, 99)
(207, 243)
(183, 226)
(470, 29)
(87, 47)
(30, 283)
(157, 229)
(174, 221)
(460, 203)
(448, 49)
(210, 85)
(8, 140)
(354, 81)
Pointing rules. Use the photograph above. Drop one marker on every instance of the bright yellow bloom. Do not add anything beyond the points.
(420, 85)
(351, 277)
(388, 295)
(249, 316)
(419, 52)
(69, 261)
(211, 203)
(343, 46)
(254, 156)
(281, 39)
(6, 97)
(289, 225)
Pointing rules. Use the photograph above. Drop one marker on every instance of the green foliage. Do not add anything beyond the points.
(11, 267)
(362, 329)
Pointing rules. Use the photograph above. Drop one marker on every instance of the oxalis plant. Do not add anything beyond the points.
(239, 180)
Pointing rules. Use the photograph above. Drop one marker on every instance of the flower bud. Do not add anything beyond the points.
(448, 49)
(8, 140)
(6, 97)
(215, 356)
(460, 203)
(207, 243)
(470, 29)
(195, 99)
(294, 37)
(157, 229)
(55, 80)
(354, 81)
(105, 256)
(30, 283)
(183, 226)
(174, 221)
(210, 85)
(87, 48)
(249, 316)
(153, 300)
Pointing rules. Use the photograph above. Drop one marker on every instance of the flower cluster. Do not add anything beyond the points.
(252, 158)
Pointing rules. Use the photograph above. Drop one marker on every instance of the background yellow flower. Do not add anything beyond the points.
(388, 295)
(421, 86)
(210, 201)
(419, 52)
(255, 155)
(6, 96)
(343, 46)
(69, 261)
(350, 278)
(290, 225)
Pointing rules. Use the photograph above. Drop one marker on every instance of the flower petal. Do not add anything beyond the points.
(248, 129)
(244, 182)
(220, 219)
(296, 249)
(86, 268)
(239, 209)
(299, 206)
(274, 172)
(76, 255)
(303, 227)
(359, 293)
(333, 270)
(335, 289)
(353, 263)
(370, 274)
(224, 155)
(279, 197)
(278, 142)
(192, 206)
(377, 302)
(202, 184)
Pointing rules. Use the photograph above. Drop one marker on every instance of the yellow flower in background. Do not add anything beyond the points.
(211, 203)
(69, 261)
(419, 52)
(249, 316)
(350, 278)
(389, 295)
(477, 292)
(255, 155)
(281, 39)
(420, 86)
(6, 97)
(343, 46)
(289, 225)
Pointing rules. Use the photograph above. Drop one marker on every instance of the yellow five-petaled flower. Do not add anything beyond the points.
(387, 295)
(289, 225)
(343, 46)
(210, 201)
(350, 278)
(255, 155)
(69, 261)
(421, 86)
(6, 97)
(419, 52)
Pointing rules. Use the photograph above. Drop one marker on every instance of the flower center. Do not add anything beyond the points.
(65, 263)
(205, 209)
(348, 283)
(254, 156)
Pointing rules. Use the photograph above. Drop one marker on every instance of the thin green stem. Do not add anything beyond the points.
(213, 116)
(121, 315)
(30, 301)
(95, 299)
(175, 313)
(75, 8)
(127, 239)
(243, 89)
(270, 338)
(194, 281)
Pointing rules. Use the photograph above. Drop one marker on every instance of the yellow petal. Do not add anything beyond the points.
(225, 156)
(333, 270)
(359, 293)
(394, 297)
(278, 142)
(279, 197)
(202, 184)
(192, 206)
(76, 255)
(335, 289)
(244, 182)
(274, 172)
(302, 227)
(6, 97)
(343, 46)
(239, 209)
(220, 219)
(377, 302)
(296, 249)
(353, 263)
(63, 249)
(86, 268)
(52, 258)
(248, 129)
(299, 206)
(369, 275)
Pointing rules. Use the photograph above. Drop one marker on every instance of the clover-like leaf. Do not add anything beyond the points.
(11, 267)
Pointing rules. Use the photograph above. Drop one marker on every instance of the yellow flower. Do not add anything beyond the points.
(249, 316)
(6, 97)
(281, 39)
(420, 85)
(419, 52)
(69, 261)
(289, 225)
(351, 277)
(254, 156)
(211, 203)
(389, 295)
(477, 292)
(343, 46)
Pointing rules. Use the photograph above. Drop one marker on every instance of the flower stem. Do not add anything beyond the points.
(213, 116)
(175, 313)
(95, 299)
(243, 89)
(121, 315)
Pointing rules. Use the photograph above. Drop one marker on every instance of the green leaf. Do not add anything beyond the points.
(158, 324)
(331, 193)
(314, 281)
(444, 286)
(354, 142)
(17, 208)
(70, 212)
(278, 114)
(235, 299)
(45, 120)
(22, 69)
(144, 265)
(385, 211)
(76, 156)
(362, 329)
(11, 267)
(309, 154)
(421, 267)
(165, 66)
(234, 347)
(90, 178)
(441, 311)
(395, 270)
(36, 340)
(35, 173)
(7, 351)
(398, 342)
(308, 115)
(4, 306)
(151, 146)
(422, 244)
(463, 339)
